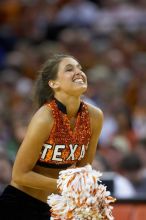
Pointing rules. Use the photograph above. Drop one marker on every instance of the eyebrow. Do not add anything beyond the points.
(71, 65)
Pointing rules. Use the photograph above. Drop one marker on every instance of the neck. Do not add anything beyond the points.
(71, 103)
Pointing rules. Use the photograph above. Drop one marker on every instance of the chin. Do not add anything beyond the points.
(84, 88)
(76, 90)
(80, 91)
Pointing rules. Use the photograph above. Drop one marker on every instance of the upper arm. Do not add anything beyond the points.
(37, 133)
(96, 118)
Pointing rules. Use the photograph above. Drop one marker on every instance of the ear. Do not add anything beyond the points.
(50, 83)
(53, 84)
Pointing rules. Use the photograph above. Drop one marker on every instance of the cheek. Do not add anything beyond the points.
(65, 78)
(64, 83)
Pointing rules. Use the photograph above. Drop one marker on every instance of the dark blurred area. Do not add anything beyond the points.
(109, 40)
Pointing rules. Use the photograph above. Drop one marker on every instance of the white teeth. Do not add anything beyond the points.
(78, 81)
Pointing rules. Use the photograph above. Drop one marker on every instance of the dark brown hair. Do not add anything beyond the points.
(43, 92)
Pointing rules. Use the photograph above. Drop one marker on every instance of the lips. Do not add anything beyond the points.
(79, 80)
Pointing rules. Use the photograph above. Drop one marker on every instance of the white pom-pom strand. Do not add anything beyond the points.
(82, 196)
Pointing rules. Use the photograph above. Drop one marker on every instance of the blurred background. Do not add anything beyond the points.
(109, 39)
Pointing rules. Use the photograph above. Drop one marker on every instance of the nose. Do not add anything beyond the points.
(80, 74)
(78, 71)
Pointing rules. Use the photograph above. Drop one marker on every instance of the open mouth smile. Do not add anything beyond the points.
(79, 80)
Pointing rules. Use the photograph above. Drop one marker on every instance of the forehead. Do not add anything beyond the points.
(66, 61)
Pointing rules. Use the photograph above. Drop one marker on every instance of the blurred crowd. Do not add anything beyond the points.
(108, 37)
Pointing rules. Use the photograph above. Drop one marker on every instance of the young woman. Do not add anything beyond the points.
(62, 133)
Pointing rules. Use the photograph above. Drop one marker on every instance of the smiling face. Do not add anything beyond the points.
(70, 78)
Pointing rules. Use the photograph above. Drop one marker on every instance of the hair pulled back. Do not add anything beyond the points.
(43, 92)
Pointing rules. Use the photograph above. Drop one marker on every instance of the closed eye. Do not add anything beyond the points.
(70, 67)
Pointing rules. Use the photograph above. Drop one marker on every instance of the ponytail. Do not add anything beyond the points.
(43, 93)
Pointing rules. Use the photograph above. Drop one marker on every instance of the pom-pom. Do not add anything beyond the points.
(82, 196)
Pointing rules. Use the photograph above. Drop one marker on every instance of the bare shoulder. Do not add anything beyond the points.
(43, 115)
(96, 117)
(94, 111)
(42, 121)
